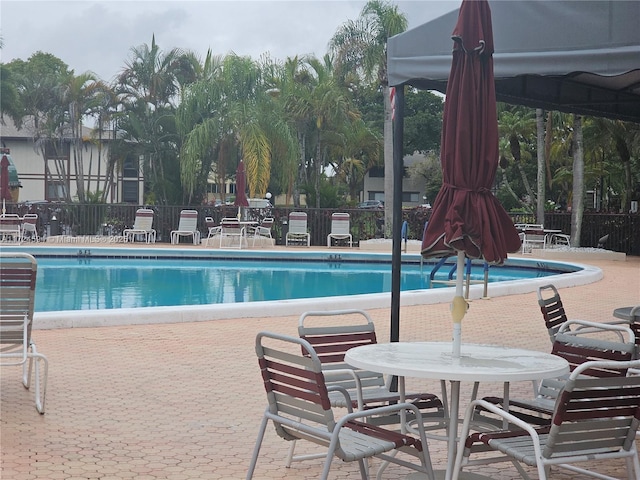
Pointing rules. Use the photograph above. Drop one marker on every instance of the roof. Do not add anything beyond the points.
(8, 129)
(572, 56)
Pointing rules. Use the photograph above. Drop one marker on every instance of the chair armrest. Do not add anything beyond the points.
(356, 379)
(345, 394)
(620, 327)
(498, 411)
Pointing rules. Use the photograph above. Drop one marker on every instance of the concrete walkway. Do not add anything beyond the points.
(184, 401)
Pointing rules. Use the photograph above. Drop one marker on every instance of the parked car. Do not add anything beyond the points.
(372, 205)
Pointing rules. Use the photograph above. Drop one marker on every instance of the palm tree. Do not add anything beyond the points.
(226, 112)
(355, 155)
(577, 207)
(149, 88)
(517, 125)
(330, 107)
(80, 95)
(361, 46)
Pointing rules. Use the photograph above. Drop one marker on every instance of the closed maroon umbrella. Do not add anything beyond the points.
(467, 219)
(5, 190)
(241, 185)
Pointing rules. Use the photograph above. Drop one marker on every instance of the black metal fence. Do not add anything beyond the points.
(623, 230)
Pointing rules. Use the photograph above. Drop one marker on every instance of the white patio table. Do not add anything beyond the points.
(477, 363)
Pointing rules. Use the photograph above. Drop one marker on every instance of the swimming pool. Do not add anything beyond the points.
(102, 285)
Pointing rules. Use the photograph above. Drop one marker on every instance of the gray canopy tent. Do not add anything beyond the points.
(570, 56)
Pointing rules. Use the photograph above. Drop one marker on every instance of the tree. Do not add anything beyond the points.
(231, 110)
(36, 81)
(361, 45)
(541, 195)
(578, 182)
(149, 88)
(517, 126)
(422, 121)
(9, 99)
(80, 95)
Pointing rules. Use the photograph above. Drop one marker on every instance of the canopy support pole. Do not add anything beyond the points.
(396, 251)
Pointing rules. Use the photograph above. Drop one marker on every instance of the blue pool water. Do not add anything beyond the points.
(79, 283)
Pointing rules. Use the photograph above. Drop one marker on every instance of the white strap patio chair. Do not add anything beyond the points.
(340, 228)
(187, 227)
(262, 232)
(17, 286)
(30, 227)
(142, 226)
(298, 229)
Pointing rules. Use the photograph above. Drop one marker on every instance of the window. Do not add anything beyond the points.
(130, 166)
(55, 191)
(412, 197)
(57, 167)
(130, 189)
(376, 172)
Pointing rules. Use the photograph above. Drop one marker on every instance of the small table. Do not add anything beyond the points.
(624, 313)
(477, 363)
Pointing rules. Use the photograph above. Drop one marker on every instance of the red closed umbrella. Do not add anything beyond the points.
(5, 190)
(467, 219)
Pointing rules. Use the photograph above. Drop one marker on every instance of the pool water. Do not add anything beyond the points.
(112, 283)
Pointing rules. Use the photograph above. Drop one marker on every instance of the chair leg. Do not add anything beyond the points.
(289, 459)
(256, 449)
(40, 390)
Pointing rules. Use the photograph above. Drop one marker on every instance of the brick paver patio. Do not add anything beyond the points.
(183, 401)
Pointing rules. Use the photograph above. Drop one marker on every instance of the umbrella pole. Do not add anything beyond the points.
(458, 306)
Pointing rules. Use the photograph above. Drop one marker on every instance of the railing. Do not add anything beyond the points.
(111, 219)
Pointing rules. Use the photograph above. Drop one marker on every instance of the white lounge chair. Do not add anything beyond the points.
(142, 226)
(298, 229)
(340, 228)
(18, 285)
(188, 227)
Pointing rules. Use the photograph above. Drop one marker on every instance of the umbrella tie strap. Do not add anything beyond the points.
(478, 190)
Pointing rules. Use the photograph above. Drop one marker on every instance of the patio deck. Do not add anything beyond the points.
(184, 401)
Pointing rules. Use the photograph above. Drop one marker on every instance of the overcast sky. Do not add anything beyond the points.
(98, 36)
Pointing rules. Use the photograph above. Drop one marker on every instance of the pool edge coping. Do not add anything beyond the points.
(295, 307)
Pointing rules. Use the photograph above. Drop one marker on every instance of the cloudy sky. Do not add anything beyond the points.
(98, 36)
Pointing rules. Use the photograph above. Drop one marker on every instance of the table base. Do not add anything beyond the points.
(440, 475)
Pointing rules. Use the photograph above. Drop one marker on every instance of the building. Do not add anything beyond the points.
(52, 175)
(412, 188)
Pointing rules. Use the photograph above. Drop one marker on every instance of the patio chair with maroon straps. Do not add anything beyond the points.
(589, 342)
(18, 285)
(339, 331)
(593, 419)
(300, 409)
(552, 309)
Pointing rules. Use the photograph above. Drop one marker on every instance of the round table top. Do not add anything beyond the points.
(435, 360)
(623, 312)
